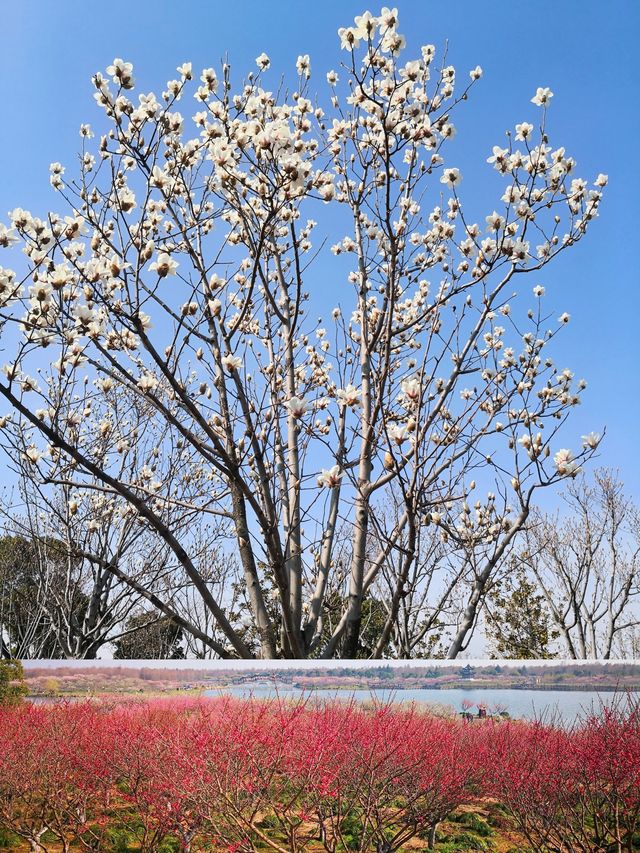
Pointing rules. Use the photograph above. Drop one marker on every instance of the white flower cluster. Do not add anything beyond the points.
(183, 275)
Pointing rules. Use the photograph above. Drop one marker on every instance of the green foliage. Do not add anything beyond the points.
(519, 624)
(466, 841)
(150, 637)
(13, 687)
(497, 813)
(474, 823)
(351, 828)
(8, 839)
(170, 844)
(464, 831)
(119, 840)
(48, 837)
(373, 619)
(269, 821)
(470, 841)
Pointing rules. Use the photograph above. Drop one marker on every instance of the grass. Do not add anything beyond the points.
(478, 828)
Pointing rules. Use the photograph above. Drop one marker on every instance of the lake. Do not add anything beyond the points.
(524, 704)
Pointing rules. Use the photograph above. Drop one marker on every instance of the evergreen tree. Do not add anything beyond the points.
(12, 684)
(150, 638)
(518, 622)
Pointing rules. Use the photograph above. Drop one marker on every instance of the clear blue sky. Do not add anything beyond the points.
(585, 51)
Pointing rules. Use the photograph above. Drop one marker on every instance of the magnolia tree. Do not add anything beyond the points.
(187, 278)
(75, 566)
(79, 602)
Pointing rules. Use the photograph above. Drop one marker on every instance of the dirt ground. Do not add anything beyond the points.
(458, 834)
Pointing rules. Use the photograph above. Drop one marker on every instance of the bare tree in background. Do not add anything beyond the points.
(416, 584)
(436, 579)
(93, 560)
(75, 573)
(429, 585)
(587, 563)
(76, 555)
(165, 348)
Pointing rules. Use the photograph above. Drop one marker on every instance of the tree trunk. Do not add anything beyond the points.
(354, 612)
(34, 842)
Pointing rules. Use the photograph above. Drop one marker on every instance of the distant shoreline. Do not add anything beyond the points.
(78, 679)
(199, 690)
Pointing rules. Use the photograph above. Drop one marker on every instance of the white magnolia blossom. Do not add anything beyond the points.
(591, 440)
(398, 434)
(565, 463)
(121, 72)
(231, 362)
(32, 454)
(148, 382)
(164, 265)
(330, 477)
(411, 389)
(542, 96)
(451, 177)
(303, 66)
(523, 131)
(298, 407)
(7, 236)
(349, 395)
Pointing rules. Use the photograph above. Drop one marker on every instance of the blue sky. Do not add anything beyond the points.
(584, 51)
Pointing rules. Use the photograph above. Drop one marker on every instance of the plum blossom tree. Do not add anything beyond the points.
(249, 775)
(573, 789)
(398, 772)
(185, 279)
(54, 777)
(158, 757)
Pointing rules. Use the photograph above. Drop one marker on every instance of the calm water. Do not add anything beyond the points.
(524, 704)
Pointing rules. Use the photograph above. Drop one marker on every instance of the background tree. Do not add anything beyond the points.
(83, 546)
(178, 297)
(82, 564)
(147, 635)
(51, 686)
(25, 631)
(587, 564)
(517, 618)
(12, 684)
